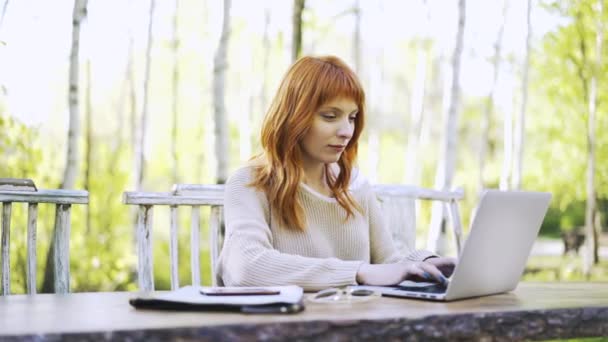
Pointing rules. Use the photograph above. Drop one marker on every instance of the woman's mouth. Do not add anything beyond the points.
(338, 148)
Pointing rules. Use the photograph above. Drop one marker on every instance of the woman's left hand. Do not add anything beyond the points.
(444, 264)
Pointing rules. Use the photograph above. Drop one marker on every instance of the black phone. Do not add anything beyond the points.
(235, 291)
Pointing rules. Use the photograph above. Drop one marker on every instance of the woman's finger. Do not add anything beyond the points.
(434, 273)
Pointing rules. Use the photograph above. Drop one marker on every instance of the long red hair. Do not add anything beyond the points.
(309, 83)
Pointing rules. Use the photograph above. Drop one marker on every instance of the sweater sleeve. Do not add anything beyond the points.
(248, 257)
(382, 246)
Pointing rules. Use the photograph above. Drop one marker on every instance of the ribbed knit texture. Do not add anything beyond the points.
(258, 251)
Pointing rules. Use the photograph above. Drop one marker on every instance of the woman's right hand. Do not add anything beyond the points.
(393, 274)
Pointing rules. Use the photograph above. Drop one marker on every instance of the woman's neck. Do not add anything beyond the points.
(314, 177)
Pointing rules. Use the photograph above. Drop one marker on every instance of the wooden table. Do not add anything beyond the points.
(532, 311)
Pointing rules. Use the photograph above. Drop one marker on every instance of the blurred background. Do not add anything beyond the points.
(113, 96)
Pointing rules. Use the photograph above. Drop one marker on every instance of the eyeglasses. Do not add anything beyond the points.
(343, 295)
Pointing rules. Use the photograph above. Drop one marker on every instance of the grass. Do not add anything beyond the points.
(563, 268)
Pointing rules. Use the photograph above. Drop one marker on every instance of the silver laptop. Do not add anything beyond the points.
(494, 255)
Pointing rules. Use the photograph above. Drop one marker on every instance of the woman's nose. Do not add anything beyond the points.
(346, 129)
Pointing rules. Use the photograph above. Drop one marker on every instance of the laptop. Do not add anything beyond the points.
(494, 255)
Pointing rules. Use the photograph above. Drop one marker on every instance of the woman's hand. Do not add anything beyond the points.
(445, 264)
(393, 274)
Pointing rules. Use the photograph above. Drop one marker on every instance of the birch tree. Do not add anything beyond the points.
(520, 123)
(591, 211)
(220, 63)
(486, 120)
(265, 61)
(71, 166)
(357, 37)
(4, 7)
(88, 141)
(175, 96)
(296, 47)
(140, 144)
(412, 162)
(447, 162)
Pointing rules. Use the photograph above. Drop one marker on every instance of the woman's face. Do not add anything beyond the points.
(331, 130)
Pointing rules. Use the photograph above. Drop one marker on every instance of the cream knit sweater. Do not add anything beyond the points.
(258, 251)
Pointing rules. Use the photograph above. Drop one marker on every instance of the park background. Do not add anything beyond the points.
(113, 96)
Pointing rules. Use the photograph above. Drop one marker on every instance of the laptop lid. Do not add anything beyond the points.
(502, 233)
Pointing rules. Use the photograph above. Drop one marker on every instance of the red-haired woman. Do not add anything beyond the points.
(300, 213)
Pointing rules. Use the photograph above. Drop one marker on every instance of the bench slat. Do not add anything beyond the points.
(145, 270)
(173, 248)
(167, 198)
(215, 224)
(195, 233)
(400, 217)
(32, 217)
(6, 253)
(46, 196)
(457, 226)
(197, 189)
(386, 190)
(61, 251)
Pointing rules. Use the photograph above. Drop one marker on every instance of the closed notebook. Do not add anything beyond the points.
(272, 299)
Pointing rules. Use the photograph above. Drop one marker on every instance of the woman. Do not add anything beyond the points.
(300, 213)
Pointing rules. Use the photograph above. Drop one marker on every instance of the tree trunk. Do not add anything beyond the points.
(412, 162)
(132, 94)
(520, 123)
(357, 37)
(296, 47)
(140, 145)
(265, 61)
(174, 156)
(4, 7)
(71, 167)
(416, 111)
(89, 143)
(486, 120)
(446, 166)
(591, 233)
(219, 86)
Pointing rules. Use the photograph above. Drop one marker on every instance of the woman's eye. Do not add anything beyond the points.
(352, 118)
(328, 116)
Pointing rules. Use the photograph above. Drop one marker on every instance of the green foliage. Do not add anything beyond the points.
(557, 141)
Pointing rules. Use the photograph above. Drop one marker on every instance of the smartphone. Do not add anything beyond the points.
(236, 291)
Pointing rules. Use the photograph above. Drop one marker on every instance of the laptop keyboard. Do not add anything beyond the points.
(435, 288)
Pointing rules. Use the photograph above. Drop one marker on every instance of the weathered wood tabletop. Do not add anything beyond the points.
(532, 311)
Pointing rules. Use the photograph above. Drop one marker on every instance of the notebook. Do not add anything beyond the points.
(270, 299)
(494, 256)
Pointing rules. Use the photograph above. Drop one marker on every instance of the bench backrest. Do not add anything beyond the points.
(397, 202)
(63, 200)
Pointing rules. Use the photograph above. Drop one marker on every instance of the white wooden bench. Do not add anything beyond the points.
(23, 190)
(397, 202)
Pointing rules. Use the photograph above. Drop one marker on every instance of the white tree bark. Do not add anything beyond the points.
(4, 7)
(520, 123)
(489, 104)
(357, 37)
(140, 145)
(175, 97)
(412, 160)
(591, 232)
(71, 165)
(296, 42)
(219, 86)
(447, 162)
(416, 111)
(507, 159)
(89, 142)
(71, 168)
(265, 61)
